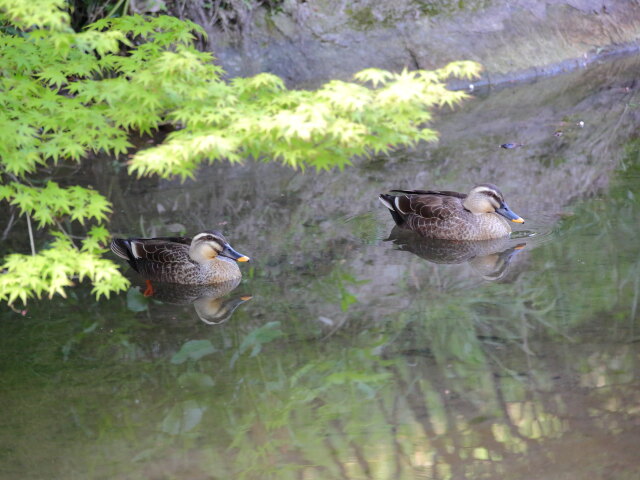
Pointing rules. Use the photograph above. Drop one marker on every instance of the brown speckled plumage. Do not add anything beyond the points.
(452, 215)
(204, 260)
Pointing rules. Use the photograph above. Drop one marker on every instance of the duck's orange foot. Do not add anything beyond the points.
(149, 291)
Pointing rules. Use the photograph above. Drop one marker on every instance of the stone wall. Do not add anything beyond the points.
(308, 42)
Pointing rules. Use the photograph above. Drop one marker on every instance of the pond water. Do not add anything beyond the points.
(349, 350)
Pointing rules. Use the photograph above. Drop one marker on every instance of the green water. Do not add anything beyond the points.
(358, 355)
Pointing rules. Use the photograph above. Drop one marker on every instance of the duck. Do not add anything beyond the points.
(481, 214)
(205, 259)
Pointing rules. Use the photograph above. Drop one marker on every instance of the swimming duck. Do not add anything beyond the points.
(204, 259)
(481, 214)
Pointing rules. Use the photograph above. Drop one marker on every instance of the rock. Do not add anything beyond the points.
(307, 43)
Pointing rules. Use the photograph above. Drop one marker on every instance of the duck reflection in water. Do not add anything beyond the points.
(212, 303)
(490, 258)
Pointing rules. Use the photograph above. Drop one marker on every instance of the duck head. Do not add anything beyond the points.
(211, 244)
(486, 198)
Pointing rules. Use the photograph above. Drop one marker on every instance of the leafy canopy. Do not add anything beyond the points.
(68, 93)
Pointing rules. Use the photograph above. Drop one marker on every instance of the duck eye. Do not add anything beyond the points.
(494, 199)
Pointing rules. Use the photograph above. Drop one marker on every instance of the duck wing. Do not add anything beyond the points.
(428, 204)
(445, 193)
(144, 251)
(184, 240)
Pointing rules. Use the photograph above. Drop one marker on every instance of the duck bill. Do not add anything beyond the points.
(229, 252)
(507, 213)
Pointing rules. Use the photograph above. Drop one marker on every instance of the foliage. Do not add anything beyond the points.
(52, 269)
(51, 202)
(67, 94)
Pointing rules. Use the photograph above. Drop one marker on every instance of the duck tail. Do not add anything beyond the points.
(389, 202)
(121, 248)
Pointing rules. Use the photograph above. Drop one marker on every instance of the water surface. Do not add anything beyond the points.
(348, 351)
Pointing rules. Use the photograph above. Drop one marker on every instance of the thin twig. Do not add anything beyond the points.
(5, 234)
(33, 245)
(68, 235)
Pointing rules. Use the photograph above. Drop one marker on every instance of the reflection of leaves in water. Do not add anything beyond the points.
(333, 287)
(320, 393)
(195, 380)
(136, 301)
(183, 417)
(194, 350)
(366, 228)
(257, 338)
(77, 338)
